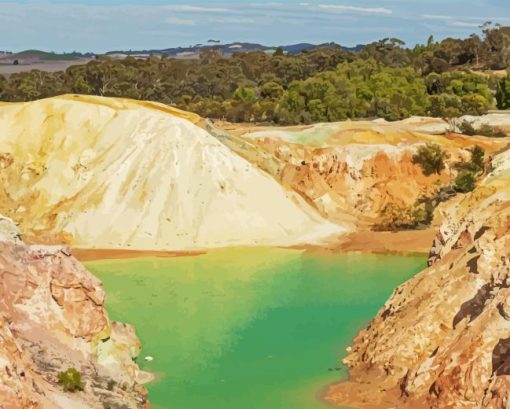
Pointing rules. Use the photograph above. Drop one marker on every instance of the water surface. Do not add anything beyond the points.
(248, 328)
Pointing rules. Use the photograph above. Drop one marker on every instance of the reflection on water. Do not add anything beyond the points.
(248, 328)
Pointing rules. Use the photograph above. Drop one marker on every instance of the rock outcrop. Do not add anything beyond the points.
(119, 174)
(9, 232)
(53, 318)
(350, 171)
(443, 338)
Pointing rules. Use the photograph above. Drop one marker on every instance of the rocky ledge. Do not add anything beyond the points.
(443, 338)
(53, 319)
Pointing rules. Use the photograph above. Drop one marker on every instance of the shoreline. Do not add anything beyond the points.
(84, 255)
(404, 241)
(361, 241)
(358, 395)
(378, 242)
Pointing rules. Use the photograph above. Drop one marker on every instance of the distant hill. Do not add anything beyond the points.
(31, 57)
(228, 49)
(37, 56)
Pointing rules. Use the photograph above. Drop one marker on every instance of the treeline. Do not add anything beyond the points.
(443, 79)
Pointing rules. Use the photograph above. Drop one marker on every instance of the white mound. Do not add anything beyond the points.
(112, 173)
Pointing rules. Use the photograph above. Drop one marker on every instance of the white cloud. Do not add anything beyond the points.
(231, 20)
(436, 17)
(180, 21)
(464, 24)
(480, 19)
(352, 9)
(196, 9)
(266, 5)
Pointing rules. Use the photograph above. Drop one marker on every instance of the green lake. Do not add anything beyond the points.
(248, 328)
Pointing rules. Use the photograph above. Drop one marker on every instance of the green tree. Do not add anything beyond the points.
(474, 104)
(245, 94)
(476, 164)
(272, 90)
(478, 159)
(431, 158)
(279, 52)
(503, 92)
(465, 182)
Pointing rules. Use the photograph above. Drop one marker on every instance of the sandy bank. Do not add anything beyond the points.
(365, 241)
(117, 254)
(408, 241)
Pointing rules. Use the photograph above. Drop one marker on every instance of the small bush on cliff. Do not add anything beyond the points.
(476, 164)
(491, 131)
(70, 380)
(431, 158)
(422, 214)
(465, 182)
(396, 218)
(467, 128)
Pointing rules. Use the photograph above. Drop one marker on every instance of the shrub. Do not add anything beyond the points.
(474, 104)
(491, 131)
(465, 181)
(70, 380)
(476, 164)
(422, 214)
(431, 158)
(111, 385)
(477, 159)
(467, 128)
(412, 218)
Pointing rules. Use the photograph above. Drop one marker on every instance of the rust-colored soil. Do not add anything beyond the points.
(411, 241)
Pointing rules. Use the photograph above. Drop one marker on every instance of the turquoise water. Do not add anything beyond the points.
(248, 328)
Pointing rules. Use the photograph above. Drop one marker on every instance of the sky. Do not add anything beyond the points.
(100, 26)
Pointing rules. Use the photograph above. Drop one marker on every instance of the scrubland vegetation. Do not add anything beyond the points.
(442, 79)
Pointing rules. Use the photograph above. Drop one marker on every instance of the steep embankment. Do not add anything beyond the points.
(443, 338)
(52, 318)
(113, 173)
(350, 171)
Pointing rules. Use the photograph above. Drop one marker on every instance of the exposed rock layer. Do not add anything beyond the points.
(443, 338)
(351, 171)
(52, 318)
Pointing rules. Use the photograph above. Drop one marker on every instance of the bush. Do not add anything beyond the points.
(431, 158)
(491, 131)
(70, 380)
(396, 218)
(467, 128)
(422, 214)
(465, 182)
(476, 164)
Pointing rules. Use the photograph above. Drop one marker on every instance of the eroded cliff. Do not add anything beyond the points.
(53, 318)
(351, 171)
(443, 338)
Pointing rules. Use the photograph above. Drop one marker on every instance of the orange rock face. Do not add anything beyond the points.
(443, 338)
(351, 171)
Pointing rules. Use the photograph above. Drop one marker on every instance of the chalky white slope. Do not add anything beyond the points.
(114, 173)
